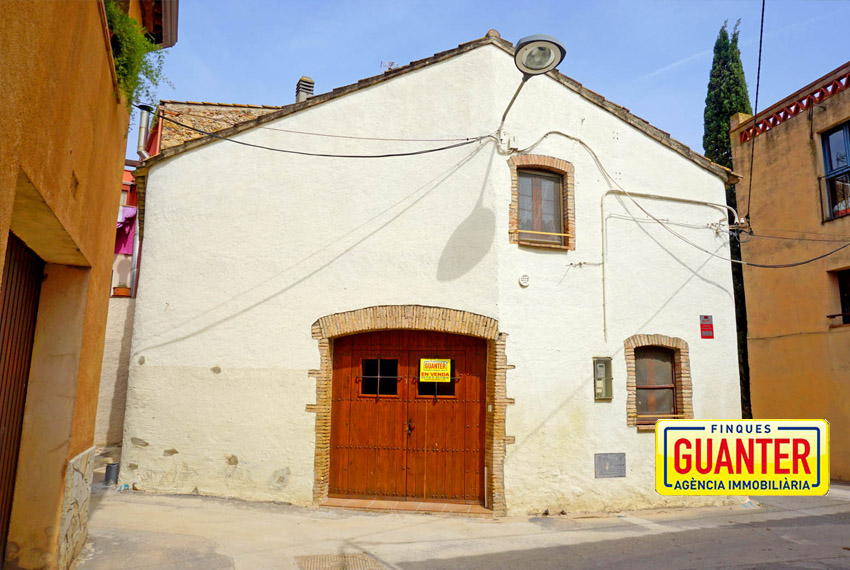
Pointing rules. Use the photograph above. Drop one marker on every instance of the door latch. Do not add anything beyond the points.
(409, 426)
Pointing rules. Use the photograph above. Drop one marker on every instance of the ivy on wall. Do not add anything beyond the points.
(138, 60)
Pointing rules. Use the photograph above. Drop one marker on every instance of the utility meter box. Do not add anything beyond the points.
(602, 378)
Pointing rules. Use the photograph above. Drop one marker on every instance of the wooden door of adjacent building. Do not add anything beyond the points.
(19, 294)
(396, 437)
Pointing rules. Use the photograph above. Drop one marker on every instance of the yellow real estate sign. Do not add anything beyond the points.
(435, 370)
(742, 457)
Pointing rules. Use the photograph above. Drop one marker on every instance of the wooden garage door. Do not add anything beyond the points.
(19, 293)
(394, 436)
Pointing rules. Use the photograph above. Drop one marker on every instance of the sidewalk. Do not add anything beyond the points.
(136, 530)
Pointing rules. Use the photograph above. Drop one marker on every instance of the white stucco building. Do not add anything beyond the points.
(259, 369)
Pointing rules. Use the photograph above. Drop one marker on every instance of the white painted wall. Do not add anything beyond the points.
(112, 396)
(245, 249)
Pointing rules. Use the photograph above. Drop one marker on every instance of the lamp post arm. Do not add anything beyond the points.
(525, 77)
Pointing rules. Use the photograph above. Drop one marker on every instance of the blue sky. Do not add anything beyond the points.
(651, 56)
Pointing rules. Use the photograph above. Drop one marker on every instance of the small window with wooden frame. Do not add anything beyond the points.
(658, 380)
(542, 209)
(655, 384)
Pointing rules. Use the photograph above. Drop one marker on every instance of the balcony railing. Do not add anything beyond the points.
(834, 322)
(835, 195)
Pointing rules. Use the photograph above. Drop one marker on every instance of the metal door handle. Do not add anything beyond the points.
(409, 426)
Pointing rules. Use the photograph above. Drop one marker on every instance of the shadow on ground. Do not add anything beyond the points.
(812, 542)
(145, 549)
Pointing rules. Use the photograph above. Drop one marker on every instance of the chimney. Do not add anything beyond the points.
(144, 124)
(304, 89)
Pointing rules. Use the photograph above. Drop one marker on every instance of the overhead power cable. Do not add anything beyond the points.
(799, 263)
(755, 118)
(326, 155)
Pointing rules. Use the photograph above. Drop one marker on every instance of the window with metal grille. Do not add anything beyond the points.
(379, 377)
(655, 380)
(836, 144)
(541, 211)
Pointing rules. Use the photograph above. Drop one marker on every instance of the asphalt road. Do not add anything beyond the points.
(815, 535)
(820, 541)
(144, 531)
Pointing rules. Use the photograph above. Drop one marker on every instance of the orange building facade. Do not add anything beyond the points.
(798, 318)
(63, 126)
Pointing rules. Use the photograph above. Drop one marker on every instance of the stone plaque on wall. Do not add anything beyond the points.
(610, 465)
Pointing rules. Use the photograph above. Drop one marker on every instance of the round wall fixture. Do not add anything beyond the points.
(524, 279)
(538, 54)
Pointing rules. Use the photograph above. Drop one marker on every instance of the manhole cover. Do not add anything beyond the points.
(338, 562)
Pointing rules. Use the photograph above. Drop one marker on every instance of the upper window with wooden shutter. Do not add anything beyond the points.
(542, 209)
(540, 212)
(655, 381)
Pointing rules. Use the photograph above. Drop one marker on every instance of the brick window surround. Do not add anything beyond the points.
(568, 209)
(682, 372)
(416, 317)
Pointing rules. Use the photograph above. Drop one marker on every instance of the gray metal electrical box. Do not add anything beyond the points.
(609, 465)
(602, 380)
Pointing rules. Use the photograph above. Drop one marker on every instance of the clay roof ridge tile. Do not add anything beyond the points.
(214, 104)
(623, 113)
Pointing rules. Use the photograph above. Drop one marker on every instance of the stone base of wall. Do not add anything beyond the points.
(75, 507)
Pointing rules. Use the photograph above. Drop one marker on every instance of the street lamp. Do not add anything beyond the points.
(534, 55)
(538, 54)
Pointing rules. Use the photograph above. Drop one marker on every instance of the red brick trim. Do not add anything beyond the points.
(682, 364)
(415, 317)
(551, 164)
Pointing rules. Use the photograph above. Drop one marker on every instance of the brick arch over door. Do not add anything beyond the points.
(415, 317)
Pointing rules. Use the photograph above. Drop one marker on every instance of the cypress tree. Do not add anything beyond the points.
(727, 95)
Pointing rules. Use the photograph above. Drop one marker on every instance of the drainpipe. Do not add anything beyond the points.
(135, 267)
(653, 197)
(144, 126)
(144, 123)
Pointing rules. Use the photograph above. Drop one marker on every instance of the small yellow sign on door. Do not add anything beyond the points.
(435, 370)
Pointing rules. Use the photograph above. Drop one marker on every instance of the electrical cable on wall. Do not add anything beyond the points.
(588, 149)
(804, 232)
(328, 135)
(613, 182)
(352, 137)
(328, 155)
(835, 240)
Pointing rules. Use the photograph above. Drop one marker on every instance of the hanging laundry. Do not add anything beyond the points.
(125, 230)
